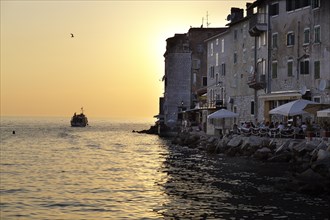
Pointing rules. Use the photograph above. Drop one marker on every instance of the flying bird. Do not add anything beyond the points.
(72, 35)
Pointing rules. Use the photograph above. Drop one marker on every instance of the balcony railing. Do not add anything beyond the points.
(257, 24)
(257, 83)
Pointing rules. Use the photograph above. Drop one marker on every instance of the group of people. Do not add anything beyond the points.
(289, 128)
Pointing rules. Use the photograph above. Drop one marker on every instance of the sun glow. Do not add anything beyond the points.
(113, 65)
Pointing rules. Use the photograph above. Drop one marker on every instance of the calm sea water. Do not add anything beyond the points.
(52, 171)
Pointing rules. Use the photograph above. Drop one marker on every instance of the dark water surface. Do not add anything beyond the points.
(52, 171)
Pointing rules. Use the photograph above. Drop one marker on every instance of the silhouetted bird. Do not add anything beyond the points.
(72, 35)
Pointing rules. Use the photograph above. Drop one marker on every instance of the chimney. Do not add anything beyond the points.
(236, 14)
(249, 10)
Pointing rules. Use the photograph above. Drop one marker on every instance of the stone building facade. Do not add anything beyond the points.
(299, 58)
(231, 61)
(185, 73)
(277, 53)
(177, 78)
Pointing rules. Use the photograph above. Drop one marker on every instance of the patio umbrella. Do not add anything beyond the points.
(222, 113)
(324, 113)
(292, 108)
(313, 108)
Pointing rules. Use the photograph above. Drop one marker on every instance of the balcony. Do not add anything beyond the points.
(256, 83)
(257, 24)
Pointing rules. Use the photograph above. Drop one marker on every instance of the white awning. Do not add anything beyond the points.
(324, 113)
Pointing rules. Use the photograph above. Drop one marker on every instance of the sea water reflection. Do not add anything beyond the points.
(200, 186)
(52, 171)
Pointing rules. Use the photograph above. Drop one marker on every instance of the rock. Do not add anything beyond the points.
(322, 167)
(283, 157)
(232, 151)
(221, 146)
(322, 146)
(323, 155)
(235, 142)
(211, 139)
(262, 154)
(283, 147)
(211, 148)
(303, 148)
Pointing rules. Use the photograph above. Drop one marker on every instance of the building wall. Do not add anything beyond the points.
(198, 48)
(254, 54)
(231, 58)
(297, 21)
(178, 85)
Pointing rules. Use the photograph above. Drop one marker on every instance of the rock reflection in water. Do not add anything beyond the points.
(200, 186)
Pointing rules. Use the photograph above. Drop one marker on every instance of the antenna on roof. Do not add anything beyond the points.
(207, 19)
(202, 22)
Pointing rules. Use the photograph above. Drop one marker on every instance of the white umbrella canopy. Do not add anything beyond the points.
(313, 108)
(324, 113)
(222, 113)
(292, 108)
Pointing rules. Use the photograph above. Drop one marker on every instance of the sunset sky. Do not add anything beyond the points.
(112, 66)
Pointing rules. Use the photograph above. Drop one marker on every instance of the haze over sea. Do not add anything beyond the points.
(50, 170)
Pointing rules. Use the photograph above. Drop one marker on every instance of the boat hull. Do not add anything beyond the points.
(79, 121)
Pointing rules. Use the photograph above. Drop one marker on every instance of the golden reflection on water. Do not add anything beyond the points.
(71, 173)
(52, 171)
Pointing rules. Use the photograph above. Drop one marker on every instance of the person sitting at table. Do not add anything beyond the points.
(303, 126)
(280, 126)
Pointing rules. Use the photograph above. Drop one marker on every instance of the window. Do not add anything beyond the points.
(217, 41)
(263, 63)
(315, 4)
(304, 67)
(216, 59)
(290, 39)
(290, 68)
(306, 35)
(316, 69)
(289, 5)
(204, 81)
(235, 34)
(252, 107)
(274, 40)
(273, 9)
(304, 3)
(317, 99)
(223, 69)
(263, 38)
(274, 69)
(317, 34)
(235, 57)
(244, 55)
(261, 67)
(211, 49)
(212, 72)
(222, 45)
(296, 4)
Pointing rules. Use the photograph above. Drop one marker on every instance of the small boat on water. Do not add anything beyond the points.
(79, 120)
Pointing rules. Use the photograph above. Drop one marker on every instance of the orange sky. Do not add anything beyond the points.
(112, 67)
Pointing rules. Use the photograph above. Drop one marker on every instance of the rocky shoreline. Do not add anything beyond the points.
(308, 161)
